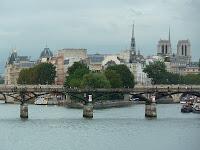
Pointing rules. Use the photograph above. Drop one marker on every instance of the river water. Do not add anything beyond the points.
(60, 128)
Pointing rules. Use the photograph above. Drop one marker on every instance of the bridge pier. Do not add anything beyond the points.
(88, 108)
(150, 108)
(126, 97)
(23, 110)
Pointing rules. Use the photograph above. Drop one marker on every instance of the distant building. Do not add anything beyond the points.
(134, 57)
(111, 60)
(64, 59)
(45, 55)
(14, 65)
(73, 53)
(192, 68)
(58, 62)
(176, 62)
(164, 47)
(95, 62)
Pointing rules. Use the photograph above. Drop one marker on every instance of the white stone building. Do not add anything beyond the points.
(111, 60)
(14, 65)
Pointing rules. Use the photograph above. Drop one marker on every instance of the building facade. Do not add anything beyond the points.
(64, 59)
(45, 55)
(14, 65)
(192, 68)
(95, 62)
(176, 62)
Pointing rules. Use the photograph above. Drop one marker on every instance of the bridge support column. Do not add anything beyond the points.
(23, 110)
(150, 108)
(126, 97)
(88, 109)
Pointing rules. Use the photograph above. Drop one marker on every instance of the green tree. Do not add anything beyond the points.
(95, 80)
(192, 79)
(25, 76)
(157, 72)
(199, 63)
(1, 80)
(172, 78)
(113, 78)
(126, 77)
(43, 73)
(75, 74)
(77, 66)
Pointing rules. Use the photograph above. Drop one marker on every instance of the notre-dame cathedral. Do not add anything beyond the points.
(179, 60)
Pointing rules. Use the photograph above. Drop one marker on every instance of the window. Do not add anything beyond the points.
(185, 50)
(162, 49)
(66, 61)
(182, 50)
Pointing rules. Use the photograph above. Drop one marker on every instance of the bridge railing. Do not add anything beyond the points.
(137, 88)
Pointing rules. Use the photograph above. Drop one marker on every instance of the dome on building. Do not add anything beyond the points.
(12, 57)
(46, 53)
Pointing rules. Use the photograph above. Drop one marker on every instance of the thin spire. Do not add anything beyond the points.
(133, 48)
(133, 31)
(169, 36)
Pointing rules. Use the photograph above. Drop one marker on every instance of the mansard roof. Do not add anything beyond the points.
(46, 53)
(12, 57)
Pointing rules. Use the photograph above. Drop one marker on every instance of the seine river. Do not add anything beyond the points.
(60, 128)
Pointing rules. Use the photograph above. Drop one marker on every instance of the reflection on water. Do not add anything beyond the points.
(52, 127)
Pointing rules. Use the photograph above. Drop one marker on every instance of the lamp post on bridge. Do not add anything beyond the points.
(88, 108)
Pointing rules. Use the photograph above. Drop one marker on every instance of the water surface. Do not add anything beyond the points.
(59, 128)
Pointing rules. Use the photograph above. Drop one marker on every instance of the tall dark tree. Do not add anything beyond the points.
(77, 66)
(157, 72)
(114, 78)
(75, 74)
(43, 73)
(199, 64)
(25, 76)
(126, 77)
(95, 80)
(1, 80)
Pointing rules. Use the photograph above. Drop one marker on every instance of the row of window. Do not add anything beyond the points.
(194, 70)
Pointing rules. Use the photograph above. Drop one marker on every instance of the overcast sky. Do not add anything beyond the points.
(101, 26)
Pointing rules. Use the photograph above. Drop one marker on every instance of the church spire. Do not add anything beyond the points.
(46, 45)
(169, 36)
(133, 31)
(133, 40)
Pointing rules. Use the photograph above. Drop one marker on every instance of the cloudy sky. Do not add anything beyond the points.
(101, 26)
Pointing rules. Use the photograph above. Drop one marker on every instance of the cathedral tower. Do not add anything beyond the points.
(184, 50)
(164, 47)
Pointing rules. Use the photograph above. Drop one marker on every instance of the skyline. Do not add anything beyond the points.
(100, 26)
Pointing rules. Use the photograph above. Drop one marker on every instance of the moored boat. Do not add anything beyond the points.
(186, 108)
(196, 107)
(40, 101)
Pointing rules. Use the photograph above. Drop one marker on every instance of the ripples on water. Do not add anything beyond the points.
(52, 127)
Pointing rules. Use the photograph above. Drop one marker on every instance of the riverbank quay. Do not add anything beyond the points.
(101, 105)
(158, 102)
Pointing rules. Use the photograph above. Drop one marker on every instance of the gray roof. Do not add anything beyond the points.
(12, 58)
(46, 53)
(96, 58)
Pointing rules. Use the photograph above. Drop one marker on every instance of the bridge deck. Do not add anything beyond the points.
(136, 89)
